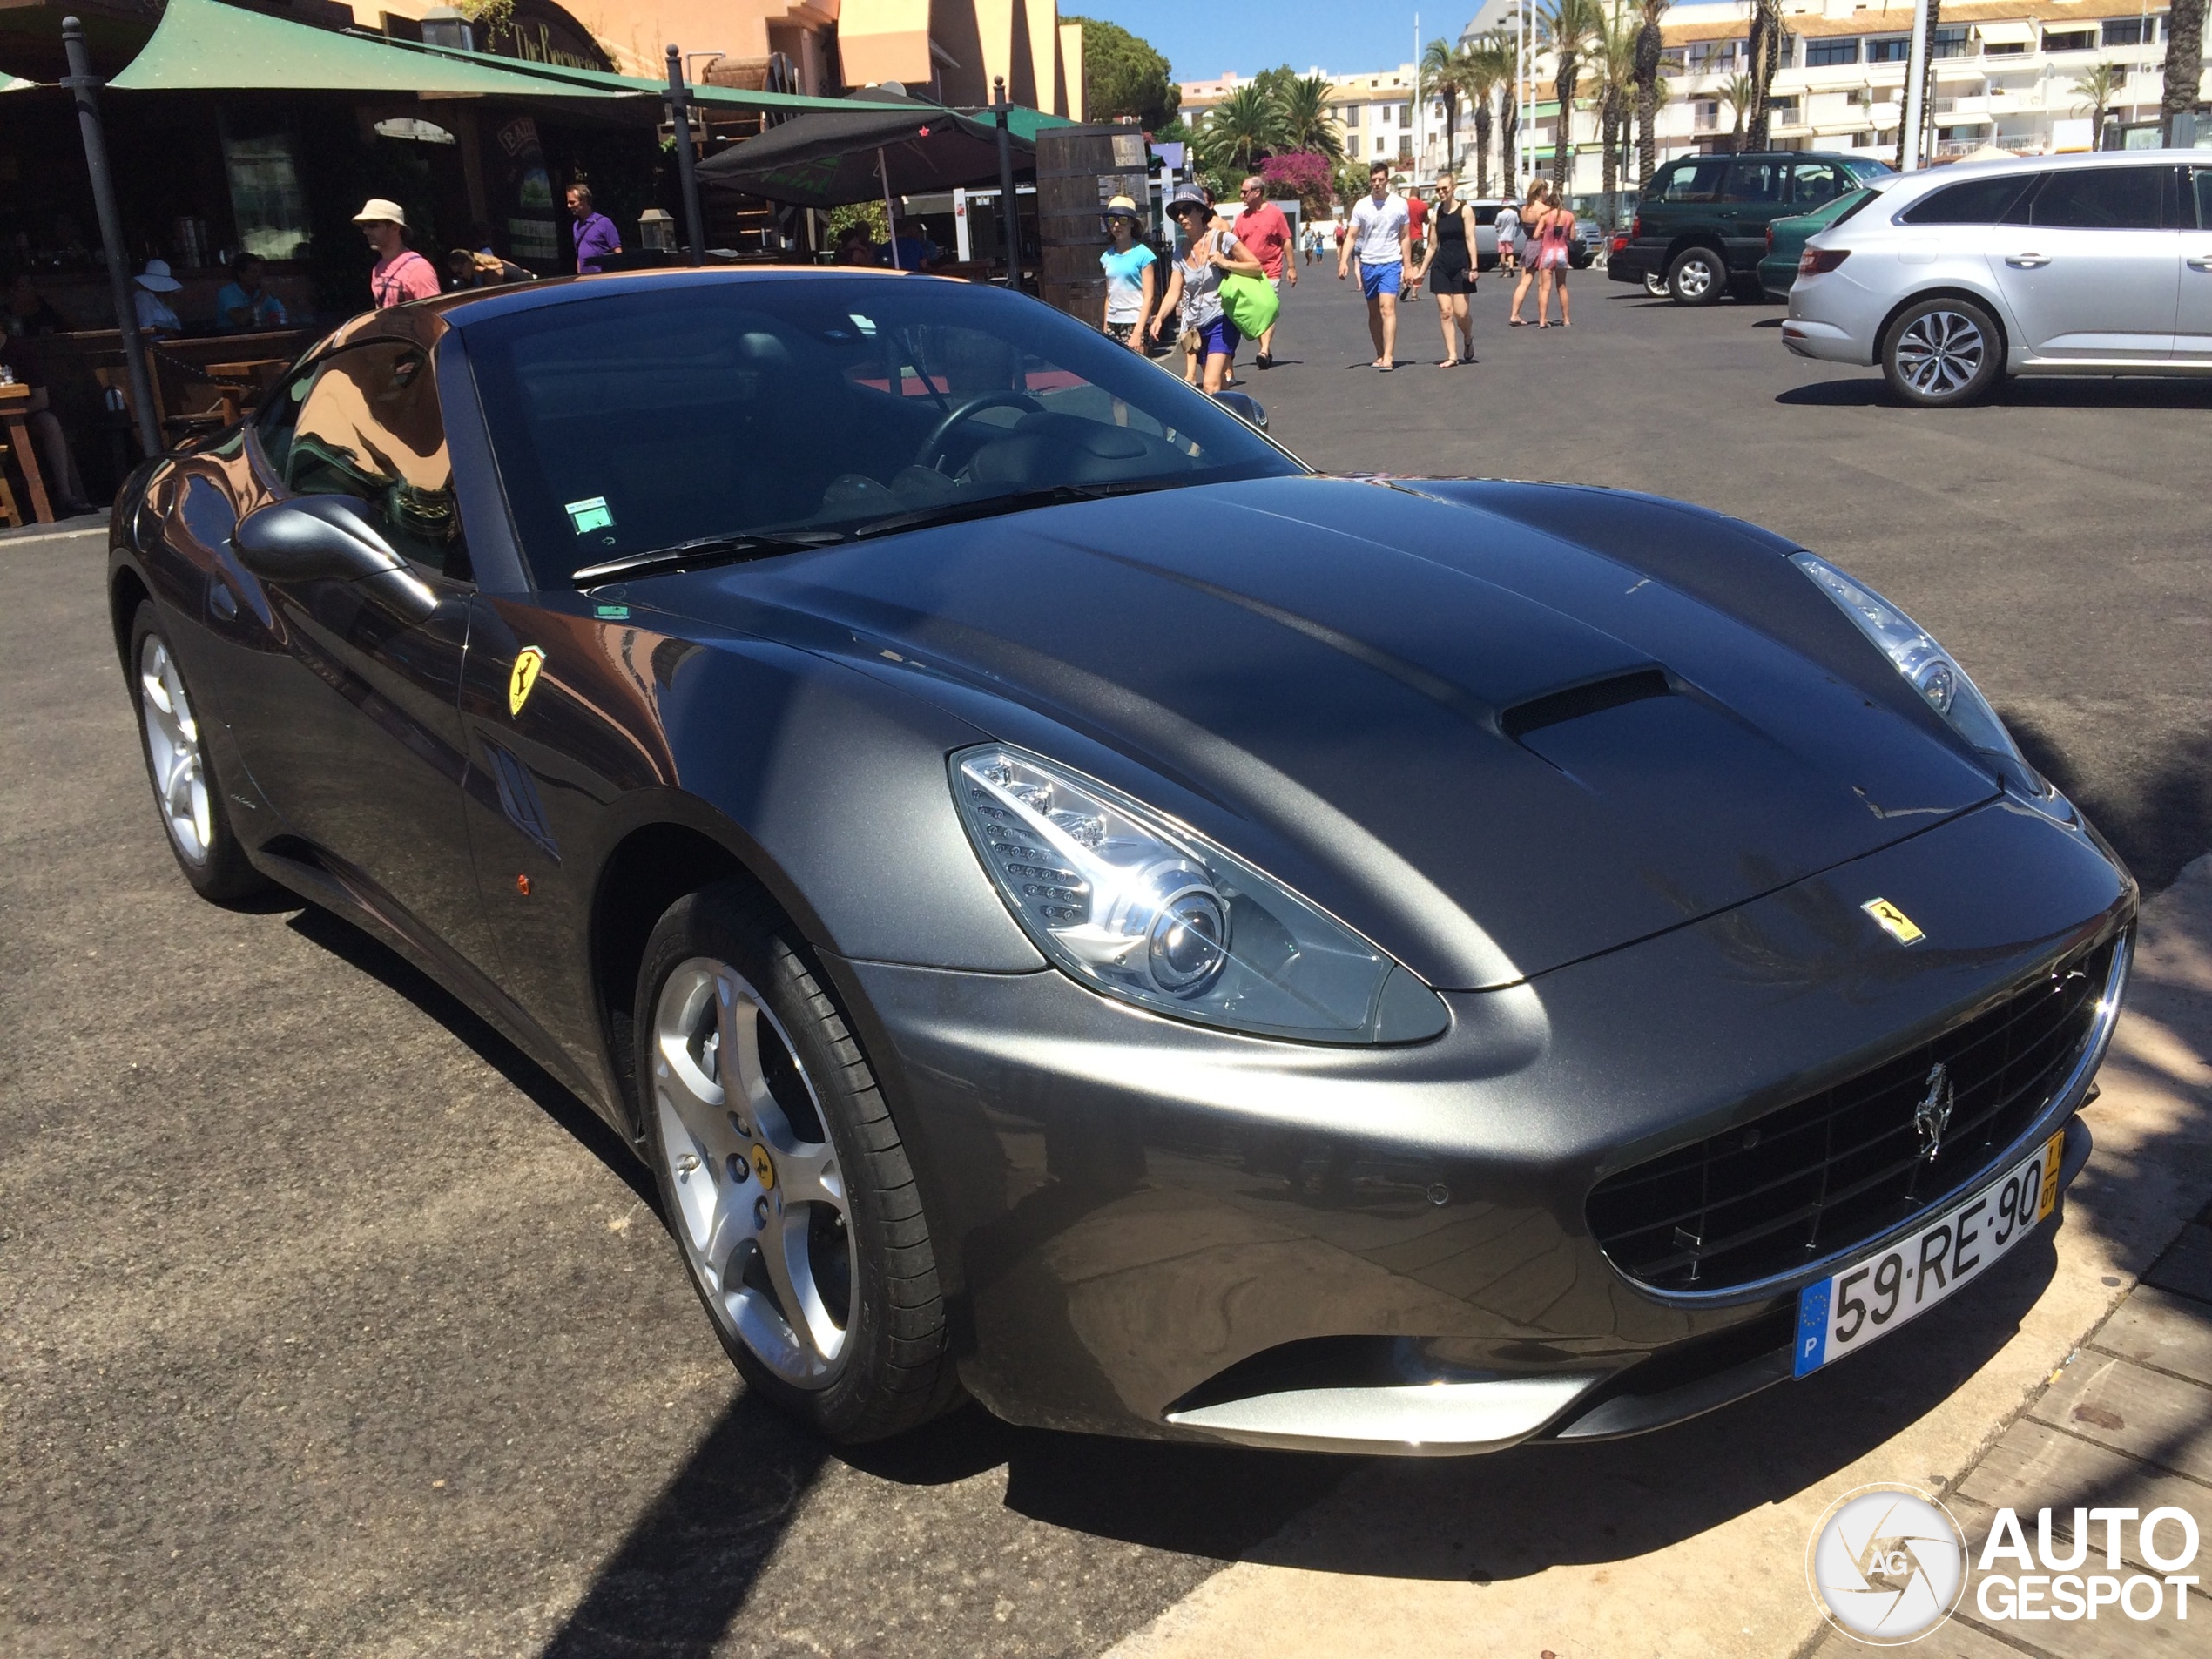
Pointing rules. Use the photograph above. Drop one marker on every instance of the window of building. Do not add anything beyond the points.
(267, 202)
(2127, 32)
(1950, 43)
(1705, 113)
(1351, 146)
(2004, 48)
(2070, 40)
(1405, 146)
(1383, 112)
(1783, 112)
(1889, 48)
(1820, 54)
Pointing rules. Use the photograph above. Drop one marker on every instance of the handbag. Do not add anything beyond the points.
(1249, 303)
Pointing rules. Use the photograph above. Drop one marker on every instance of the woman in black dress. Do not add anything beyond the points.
(1450, 268)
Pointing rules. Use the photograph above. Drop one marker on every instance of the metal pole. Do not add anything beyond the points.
(1916, 91)
(81, 82)
(679, 110)
(890, 214)
(1010, 216)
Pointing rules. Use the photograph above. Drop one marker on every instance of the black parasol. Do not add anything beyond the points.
(828, 159)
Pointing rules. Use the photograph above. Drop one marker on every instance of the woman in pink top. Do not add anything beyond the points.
(401, 273)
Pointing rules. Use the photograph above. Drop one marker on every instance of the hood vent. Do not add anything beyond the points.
(1576, 701)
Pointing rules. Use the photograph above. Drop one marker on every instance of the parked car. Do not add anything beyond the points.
(2098, 264)
(1073, 906)
(1701, 227)
(1785, 238)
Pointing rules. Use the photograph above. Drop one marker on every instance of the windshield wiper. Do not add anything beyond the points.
(953, 512)
(700, 551)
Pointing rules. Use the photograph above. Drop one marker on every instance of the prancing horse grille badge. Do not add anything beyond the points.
(1932, 1116)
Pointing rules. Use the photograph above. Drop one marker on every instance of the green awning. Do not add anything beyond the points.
(203, 45)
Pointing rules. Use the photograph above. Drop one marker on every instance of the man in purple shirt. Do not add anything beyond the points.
(594, 233)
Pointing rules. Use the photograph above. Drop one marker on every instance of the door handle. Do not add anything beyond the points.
(2028, 261)
(2198, 262)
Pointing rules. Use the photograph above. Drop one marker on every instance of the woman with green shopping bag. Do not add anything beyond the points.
(1195, 288)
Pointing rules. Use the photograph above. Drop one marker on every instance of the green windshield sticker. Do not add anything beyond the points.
(613, 613)
(589, 515)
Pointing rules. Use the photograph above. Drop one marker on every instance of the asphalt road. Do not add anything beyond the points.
(328, 1323)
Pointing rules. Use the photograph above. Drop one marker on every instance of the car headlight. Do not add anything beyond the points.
(1137, 907)
(1928, 668)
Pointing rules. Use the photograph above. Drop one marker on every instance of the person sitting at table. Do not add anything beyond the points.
(65, 488)
(856, 247)
(28, 313)
(154, 315)
(244, 303)
(484, 270)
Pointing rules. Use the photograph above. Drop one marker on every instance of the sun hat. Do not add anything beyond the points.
(1188, 196)
(1123, 206)
(377, 208)
(155, 278)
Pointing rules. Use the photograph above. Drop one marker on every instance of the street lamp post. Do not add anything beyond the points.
(1916, 91)
(83, 83)
(679, 113)
(1009, 214)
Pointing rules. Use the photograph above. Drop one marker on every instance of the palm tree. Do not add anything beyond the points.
(1616, 95)
(1766, 43)
(1503, 52)
(2184, 63)
(1483, 69)
(1738, 95)
(2099, 90)
(1443, 75)
(1307, 125)
(1241, 131)
(1649, 42)
(1576, 27)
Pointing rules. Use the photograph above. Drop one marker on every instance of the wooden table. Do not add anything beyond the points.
(15, 412)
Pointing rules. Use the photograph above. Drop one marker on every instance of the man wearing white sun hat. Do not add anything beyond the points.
(401, 273)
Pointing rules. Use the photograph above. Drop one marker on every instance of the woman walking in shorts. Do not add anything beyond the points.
(1194, 287)
(1450, 262)
(1532, 211)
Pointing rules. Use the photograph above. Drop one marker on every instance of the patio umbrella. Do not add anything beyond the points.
(828, 159)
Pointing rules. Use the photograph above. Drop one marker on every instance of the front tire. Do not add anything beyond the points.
(1942, 353)
(1655, 286)
(784, 1181)
(195, 814)
(1698, 277)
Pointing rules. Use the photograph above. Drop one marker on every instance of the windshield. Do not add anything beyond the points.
(804, 409)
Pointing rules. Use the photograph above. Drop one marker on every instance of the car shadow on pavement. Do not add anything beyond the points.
(371, 956)
(2164, 817)
(2036, 392)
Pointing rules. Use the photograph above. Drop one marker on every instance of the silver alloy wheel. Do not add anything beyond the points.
(1941, 353)
(172, 751)
(1693, 280)
(1656, 287)
(760, 1207)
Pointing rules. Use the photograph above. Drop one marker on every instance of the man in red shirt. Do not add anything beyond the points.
(401, 273)
(1263, 229)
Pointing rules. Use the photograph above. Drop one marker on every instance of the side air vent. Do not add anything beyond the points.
(1578, 700)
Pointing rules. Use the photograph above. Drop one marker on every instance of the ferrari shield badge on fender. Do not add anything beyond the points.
(527, 664)
(1889, 919)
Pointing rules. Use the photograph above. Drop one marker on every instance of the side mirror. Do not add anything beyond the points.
(1244, 406)
(311, 539)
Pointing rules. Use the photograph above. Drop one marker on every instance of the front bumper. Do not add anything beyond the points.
(1149, 1228)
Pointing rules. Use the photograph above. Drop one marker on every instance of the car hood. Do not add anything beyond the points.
(1493, 751)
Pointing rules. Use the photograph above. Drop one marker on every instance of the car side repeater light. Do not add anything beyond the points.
(1139, 908)
(1814, 260)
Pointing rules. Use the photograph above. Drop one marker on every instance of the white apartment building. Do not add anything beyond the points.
(1377, 116)
(2005, 74)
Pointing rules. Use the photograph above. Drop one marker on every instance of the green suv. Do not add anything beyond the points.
(1701, 227)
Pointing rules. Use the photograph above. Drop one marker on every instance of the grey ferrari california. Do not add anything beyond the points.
(1079, 910)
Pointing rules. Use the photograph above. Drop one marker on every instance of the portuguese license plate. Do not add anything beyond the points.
(1843, 1312)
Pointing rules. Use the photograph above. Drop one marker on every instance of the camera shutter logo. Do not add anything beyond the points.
(1886, 1564)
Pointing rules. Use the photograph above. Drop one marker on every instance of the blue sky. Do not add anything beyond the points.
(1203, 38)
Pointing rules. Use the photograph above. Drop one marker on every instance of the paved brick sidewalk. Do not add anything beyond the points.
(2126, 1422)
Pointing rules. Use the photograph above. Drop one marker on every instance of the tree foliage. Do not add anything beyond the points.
(1241, 131)
(1305, 174)
(1123, 76)
(1307, 125)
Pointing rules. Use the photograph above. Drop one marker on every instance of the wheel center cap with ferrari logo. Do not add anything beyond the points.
(764, 1167)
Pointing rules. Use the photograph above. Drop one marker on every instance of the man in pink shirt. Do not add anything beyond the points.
(1263, 229)
(401, 273)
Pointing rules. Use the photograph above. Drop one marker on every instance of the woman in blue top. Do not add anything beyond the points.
(1194, 289)
(1127, 266)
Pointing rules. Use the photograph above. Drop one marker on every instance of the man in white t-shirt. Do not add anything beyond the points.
(1382, 236)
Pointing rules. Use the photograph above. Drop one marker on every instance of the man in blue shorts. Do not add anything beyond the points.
(1382, 237)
